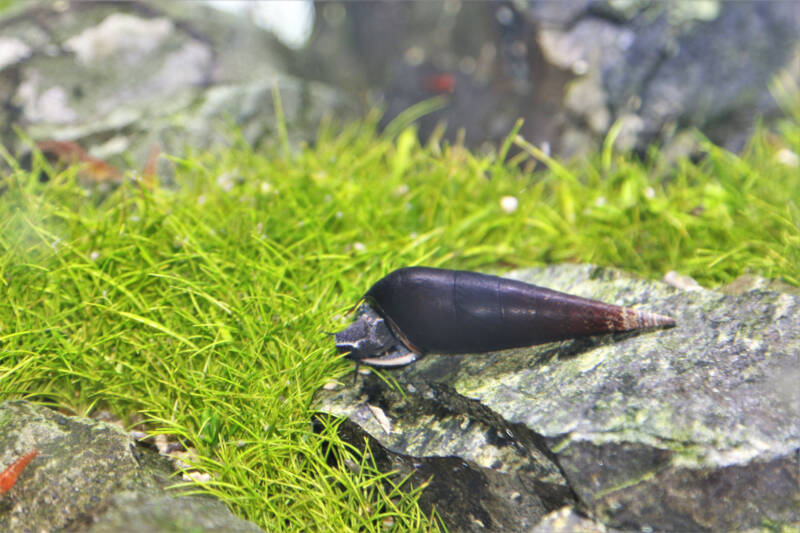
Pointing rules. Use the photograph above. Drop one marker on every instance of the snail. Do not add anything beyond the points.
(418, 310)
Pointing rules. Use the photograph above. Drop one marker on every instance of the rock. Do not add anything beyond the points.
(749, 282)
(122, 78)
(566, 520)
(91, 476)
(466, 495)
(679, 281)
(703, 64)
(133, 512)
(695, 428)
(570, 69)
(481, 58)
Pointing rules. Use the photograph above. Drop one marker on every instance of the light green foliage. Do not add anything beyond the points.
(202, 309)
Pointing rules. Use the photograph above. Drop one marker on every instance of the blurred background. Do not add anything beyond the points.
(120, 78)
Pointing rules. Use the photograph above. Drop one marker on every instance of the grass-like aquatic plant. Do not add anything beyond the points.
(200, 309)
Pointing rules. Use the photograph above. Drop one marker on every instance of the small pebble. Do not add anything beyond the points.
(331, 385)
(381, 418)
(679, 281)
(509, 204)
(787, 157)
(197, 477)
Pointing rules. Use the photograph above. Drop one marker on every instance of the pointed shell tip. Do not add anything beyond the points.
(656, 320)
(645, 319)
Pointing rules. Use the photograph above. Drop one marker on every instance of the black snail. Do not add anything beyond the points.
(417, 310)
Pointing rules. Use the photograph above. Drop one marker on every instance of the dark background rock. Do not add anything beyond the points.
(92, 476)
(571, 69)
(695, 428)
(482, 56)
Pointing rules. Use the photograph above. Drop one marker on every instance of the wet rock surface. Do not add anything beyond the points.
(92, 476)
(688, 429)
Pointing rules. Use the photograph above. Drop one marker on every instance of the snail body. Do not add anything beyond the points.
(417, 310)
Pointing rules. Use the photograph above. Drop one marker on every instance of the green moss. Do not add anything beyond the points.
(6, 4)
(772, 526)
(202, 309)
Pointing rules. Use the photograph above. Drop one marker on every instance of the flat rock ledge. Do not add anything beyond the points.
(91, 476)
(695, 428)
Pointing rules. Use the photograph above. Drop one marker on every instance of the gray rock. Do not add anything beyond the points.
(673, 67)
(570, 69)
(481, 58)
(120, 78)
(566, 520)
(692, 428)
(466, 495)
(91, 475)
(135, 512)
